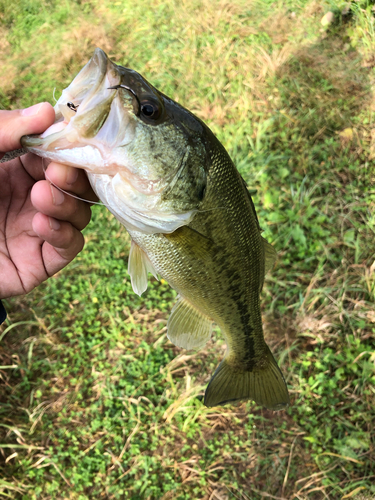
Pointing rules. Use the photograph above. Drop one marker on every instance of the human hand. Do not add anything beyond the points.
(40, 227)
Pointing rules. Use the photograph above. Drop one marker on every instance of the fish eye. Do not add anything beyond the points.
(151, 110)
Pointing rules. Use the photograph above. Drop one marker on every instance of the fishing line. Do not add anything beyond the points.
(53, 95)
(67, 192)
(98, 202)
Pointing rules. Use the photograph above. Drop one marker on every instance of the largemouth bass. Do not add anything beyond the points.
(164, 175)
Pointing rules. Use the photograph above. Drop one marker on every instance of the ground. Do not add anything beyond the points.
(94, 400)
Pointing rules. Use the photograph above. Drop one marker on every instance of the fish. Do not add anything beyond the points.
(166, 177)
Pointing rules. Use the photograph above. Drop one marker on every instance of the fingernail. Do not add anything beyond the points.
(57, 196)
(54, 224)
(72, 175)
(32, 110)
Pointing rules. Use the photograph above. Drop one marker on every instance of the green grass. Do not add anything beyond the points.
(100, 404)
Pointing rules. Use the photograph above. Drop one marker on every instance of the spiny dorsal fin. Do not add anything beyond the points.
(139, 266)
(187, 327)
(270, 256)
(264, 385)
(251, 202)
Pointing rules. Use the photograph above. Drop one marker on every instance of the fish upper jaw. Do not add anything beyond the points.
(91, 121)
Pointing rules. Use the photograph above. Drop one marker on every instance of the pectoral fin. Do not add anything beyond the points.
(187, 327)
(193, 243)
(139, 266)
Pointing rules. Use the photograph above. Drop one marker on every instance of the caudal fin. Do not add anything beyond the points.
(266, 385)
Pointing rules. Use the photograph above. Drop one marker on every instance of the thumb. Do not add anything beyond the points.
(15, 124)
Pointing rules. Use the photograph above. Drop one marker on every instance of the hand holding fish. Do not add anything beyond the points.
(40, 227)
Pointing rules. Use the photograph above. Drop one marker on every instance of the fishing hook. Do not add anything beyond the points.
(126, 88)
(72, 106)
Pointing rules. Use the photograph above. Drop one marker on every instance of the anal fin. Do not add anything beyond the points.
(139, 265)
(187, 326)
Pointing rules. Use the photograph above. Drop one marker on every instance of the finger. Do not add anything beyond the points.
(70, 179)
(48, 200)
(34, 165)
(19, 122)
(62, 242)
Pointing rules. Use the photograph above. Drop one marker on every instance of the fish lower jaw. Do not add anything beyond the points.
(87, 157)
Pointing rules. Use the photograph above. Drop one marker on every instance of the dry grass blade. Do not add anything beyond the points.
(21, 446)
(288, 466)
(264, 494)
(350, 459)
(5, 485)
(269, 63)
(354, 493)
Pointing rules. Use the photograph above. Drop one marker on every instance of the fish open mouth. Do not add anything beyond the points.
(90, 122)
(105, 123)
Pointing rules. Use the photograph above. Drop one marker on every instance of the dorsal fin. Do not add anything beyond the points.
(251, 203)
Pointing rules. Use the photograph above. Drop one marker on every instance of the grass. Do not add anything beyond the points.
(94, 400)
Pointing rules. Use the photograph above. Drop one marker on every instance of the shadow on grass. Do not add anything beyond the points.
(323, 87)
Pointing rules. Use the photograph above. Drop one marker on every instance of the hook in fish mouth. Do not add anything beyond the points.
(72, 106)
(79, 106)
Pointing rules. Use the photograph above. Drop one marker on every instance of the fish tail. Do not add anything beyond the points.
(264, 384)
